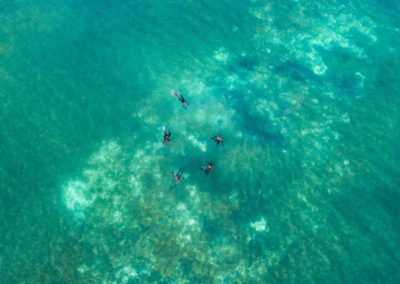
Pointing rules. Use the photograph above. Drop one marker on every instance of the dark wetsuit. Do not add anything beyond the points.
(181, 99)
(208, 168)
(218, 139)
(166, 137)
(178, 177)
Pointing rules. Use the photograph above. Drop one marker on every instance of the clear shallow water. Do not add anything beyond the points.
(306, 188)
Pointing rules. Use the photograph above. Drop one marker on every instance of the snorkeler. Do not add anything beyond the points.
(180, 97)
(178, 177)
(166, 137)
(218, 139)
(207, 168)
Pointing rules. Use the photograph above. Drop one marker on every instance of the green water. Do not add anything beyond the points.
(305, 95)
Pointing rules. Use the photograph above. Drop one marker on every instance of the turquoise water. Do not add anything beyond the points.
(305, 95)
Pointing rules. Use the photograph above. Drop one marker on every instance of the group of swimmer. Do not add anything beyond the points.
(208, 166)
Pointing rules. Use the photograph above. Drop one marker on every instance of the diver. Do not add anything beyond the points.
(181, 98)
(178, 177)
(166, 137)
(218, 139)
(207, 168)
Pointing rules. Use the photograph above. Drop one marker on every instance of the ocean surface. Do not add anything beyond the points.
(305, 189)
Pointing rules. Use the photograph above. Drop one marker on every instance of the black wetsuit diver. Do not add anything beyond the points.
(181, 98)
(218, 139)
(207, 168)
(178, 177)
(166, 137)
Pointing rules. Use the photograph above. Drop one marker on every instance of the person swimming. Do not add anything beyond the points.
(207, 168)
(218, 139)
(178, 177)
(181, 98)
(166, 137)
